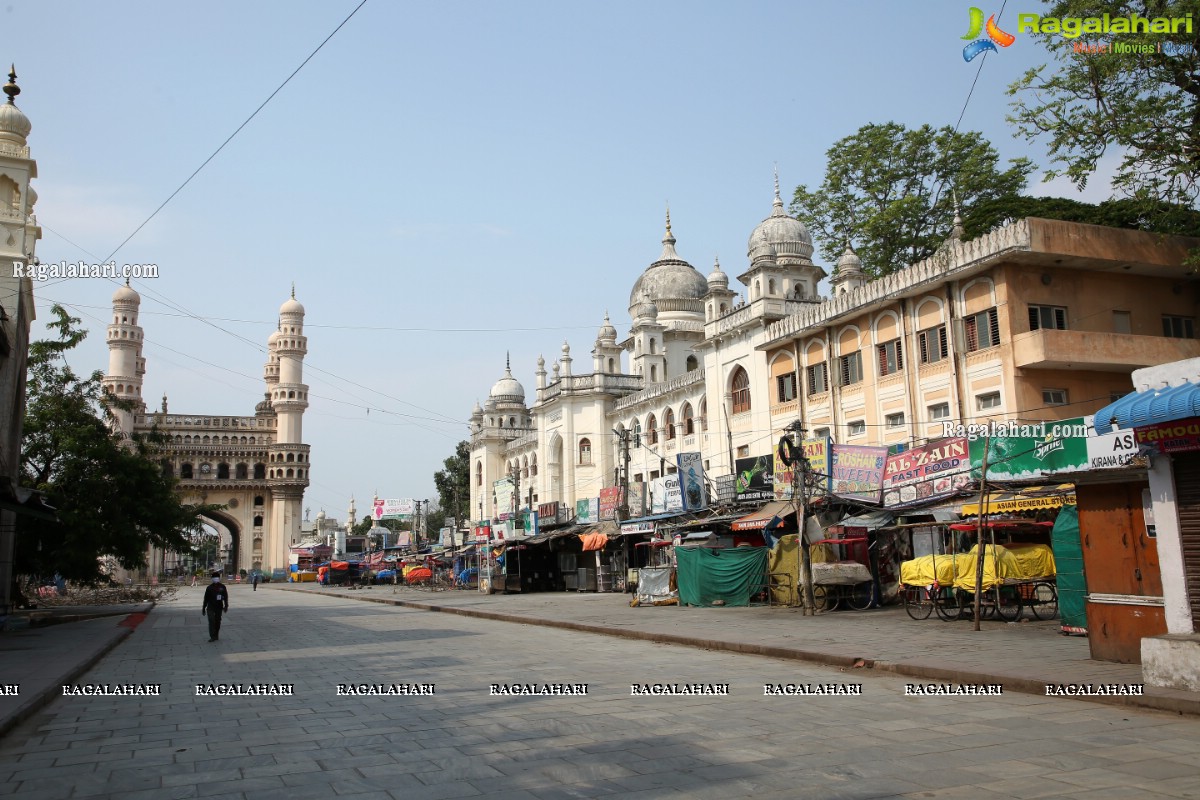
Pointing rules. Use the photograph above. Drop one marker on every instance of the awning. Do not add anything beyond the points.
(761, 518)
(1031, 499)
(1150, 407)
(872, 521)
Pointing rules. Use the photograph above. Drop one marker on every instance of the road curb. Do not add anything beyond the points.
(1157, 702)
(43, 698)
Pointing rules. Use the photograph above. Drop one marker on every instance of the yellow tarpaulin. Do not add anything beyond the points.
(1024, 562)
(783, 565)
(928, 570)
(998, 565)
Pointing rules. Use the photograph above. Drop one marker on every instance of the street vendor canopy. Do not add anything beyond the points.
(759, 519)
(1150, 407)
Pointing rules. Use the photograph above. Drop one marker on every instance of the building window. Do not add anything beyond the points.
(785, 387)
(818, 378)
(704, 415)
(743, 451)
(185, 471)
(933, 344)
(741, 391)
(857, 428)
(982, 330)
(1051, 317)
(821, 433)
(692, 364)
(983, 402)
(1054, 397)
(894, 420)
(1179, 327)
(685, 418)
(669, 424)
(1122, 322)
(479, 473)
(939, 411)
(891, 357)
(637, 432)
(850, 369)
(243, 472)
(654, 373)
(585, 451)
(651, 429)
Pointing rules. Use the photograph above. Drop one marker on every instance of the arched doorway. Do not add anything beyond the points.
(230, 532)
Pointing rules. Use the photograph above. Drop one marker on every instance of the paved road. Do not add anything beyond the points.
(462, 742)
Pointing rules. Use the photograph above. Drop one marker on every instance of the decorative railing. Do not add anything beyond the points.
(660, 389)
(952, 258)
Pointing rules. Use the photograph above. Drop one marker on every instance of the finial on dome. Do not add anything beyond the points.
(668, 219)
(126, 280)
(778, 199)
(293, 290)
(956, 231)
(11, 89)
(507, 361)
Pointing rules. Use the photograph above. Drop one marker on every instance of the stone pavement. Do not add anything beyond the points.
(1024, 656)
(464, 742)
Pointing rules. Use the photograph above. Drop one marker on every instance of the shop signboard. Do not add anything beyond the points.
(857, 471)
(1112, 450)
(781, 474)
(529, 523)
(924, 473)
(646, 526)
(610, 501)
(637, 499)
(754, 480)
(1171, 437)
(666, 495)
(1027, 451)
(726, 488)
(691, 475)
(583, 511)
(483, 533)
(817, 451)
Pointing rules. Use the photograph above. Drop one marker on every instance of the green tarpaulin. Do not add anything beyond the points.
(1068, 559)
(706, 575)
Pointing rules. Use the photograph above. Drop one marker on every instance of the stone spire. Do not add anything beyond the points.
(668, 242)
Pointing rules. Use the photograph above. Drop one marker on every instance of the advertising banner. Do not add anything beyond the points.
(583, 512)
(857, 471)
(610, 501)
(754, 479)
(927, 472)
(782, 475)
(529, 523)
(503, 490)
(691, 474)
(548, 513)
(817, 451)
(1027, 451)
(1171, 437)
(666, 495)
(483, 533)
(637, 500)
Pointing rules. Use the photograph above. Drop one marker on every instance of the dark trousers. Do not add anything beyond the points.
(214, 623)
(256, 585)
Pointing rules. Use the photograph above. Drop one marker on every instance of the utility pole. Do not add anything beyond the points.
(801, 471)
(516, 501)
(979, 564)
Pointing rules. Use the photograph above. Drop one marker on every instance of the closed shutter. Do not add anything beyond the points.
(1186, 467)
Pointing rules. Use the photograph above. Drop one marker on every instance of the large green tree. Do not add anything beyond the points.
(112, 498)
(1144, 107)
(454, 487)
(890, 191)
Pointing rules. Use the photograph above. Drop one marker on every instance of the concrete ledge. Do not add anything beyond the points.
(1172, 661)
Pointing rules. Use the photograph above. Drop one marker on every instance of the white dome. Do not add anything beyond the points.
(849, 262)
(669, 278)
(717, 279)
(507, 390)
(126, 295)
(14, 125)
(784, 235)
(291, 306)
(607, 332)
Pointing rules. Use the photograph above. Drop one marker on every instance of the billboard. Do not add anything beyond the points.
(754, 479)
(1171, 437)
(856, 471)
(610, 501)
(395, 508)
(666, 495)
(691, 475)
(1028, 451)
(503, 493)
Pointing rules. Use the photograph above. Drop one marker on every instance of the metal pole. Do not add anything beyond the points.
(979, 528)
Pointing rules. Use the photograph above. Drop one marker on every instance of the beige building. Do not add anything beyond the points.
(1038, 320)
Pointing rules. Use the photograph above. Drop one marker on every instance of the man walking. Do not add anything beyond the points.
(254, 579)
(216, 603)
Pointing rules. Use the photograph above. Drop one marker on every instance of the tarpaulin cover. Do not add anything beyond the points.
(418, 574)
(928, 570)
(998, 565)
(782, 564)
(339, 565)
(1036, 560)
(1071, 582)
(593, 541)
(707, 575)
(654, 586)
(840, 573)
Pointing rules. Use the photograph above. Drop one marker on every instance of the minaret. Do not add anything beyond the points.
(126, 366)
(288, 470)
(351, 520)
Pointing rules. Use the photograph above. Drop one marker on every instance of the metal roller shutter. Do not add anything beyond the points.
(1186, 467)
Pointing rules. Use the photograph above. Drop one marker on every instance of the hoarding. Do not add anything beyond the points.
(1027, 451)
(691, 475)
(928, 472)
(857, 471)
(610, 501)
(503, 494)
(754, 479)
(666, 495)
(1171, 437)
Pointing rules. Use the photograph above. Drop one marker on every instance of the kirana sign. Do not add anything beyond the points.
(1112, 450)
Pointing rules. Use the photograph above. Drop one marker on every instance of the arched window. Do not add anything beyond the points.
(533, 466)
(525, 467)
(654, 373)
(637, 432)
(258, 520)
(669, 424)
(223, 471)
(704, 415)
(610, 366)
(585, 451)
(653, 346)
(741, 390)
(185, 471)
(685, 419)
(479, 473)
(242, 472)
(168, 471)
(260, 471)
(692, 364)
(651, 430)
(258, 499)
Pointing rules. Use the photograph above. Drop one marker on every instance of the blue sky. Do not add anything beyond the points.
(444, 182)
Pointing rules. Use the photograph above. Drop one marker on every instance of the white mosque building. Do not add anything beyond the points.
(686, 379)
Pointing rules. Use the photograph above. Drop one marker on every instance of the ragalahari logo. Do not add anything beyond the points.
(995, 36)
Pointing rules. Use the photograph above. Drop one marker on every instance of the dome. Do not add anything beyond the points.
(126, 294)
(321, 515)
(849, 262)
(31, 198)
(13, 122)
(273, 338)
(645, 311)
(783, 234)
(717, 279)
(668, 278)
(264, 405)
(507, 389)
(292, 306)
(607, 332)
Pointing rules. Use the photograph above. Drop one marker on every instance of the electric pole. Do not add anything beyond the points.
(623, 476)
